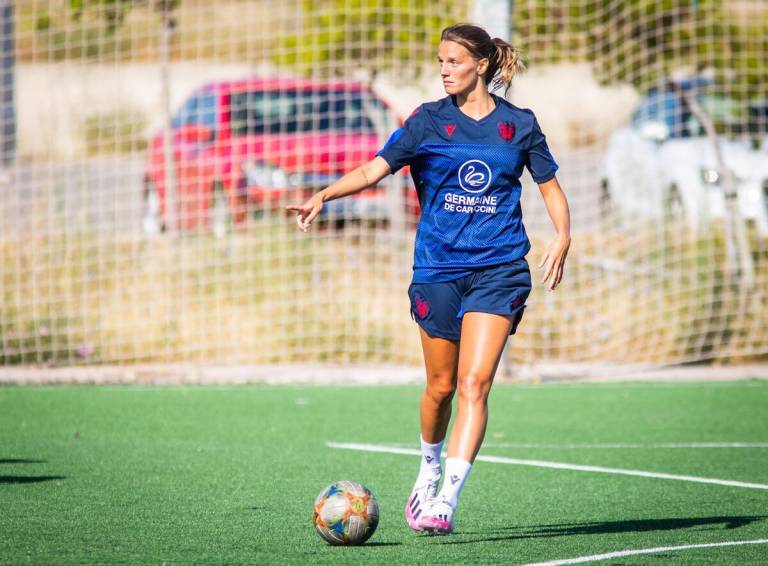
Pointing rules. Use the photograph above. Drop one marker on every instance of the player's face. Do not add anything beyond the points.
(458, 68)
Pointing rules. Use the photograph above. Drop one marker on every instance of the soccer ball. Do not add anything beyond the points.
(346, 513)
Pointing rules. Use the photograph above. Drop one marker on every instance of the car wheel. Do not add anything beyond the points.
(152, 217)
(606, 202)
(221, 219)
(765, 197)
(674, 202)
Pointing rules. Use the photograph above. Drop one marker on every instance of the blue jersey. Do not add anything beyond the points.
(467, 176)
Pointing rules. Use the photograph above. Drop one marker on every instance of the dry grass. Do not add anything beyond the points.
(264, 296)
(650, 294)
(271, 295)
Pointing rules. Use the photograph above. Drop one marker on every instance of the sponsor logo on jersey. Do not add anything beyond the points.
(474, 176)
(449, 129)
(507, 130)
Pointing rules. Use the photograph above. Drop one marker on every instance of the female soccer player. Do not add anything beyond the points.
(470, 277)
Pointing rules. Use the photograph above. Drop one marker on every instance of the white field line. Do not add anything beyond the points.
(553, 465)
(620, 445)
(629, 384)
(622, 553)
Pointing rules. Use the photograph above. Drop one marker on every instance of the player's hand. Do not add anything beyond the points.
(553, 260)
(307, 212)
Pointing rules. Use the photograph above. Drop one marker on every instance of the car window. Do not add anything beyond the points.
(671, 109)
(726, 113)
(666, 107)
(273, 112)
(198, 110)
(757, 118)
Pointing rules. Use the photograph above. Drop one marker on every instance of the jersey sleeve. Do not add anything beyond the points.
(403, 144)
(539, 160)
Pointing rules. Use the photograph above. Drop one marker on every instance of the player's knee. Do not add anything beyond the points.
(473, 388)
(441, 389)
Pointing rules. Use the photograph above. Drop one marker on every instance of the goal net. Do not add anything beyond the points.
(657, 111)
(149, 149)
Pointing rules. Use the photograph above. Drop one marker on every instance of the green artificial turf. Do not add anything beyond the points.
(228, 475)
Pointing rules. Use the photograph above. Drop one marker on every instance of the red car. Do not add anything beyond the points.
(258, 144)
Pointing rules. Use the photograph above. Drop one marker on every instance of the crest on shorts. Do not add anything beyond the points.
(422, 308)
(507, 130)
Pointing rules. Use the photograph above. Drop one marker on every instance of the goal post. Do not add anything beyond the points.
(131, 236)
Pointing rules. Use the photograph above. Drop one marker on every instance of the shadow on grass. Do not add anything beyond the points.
(605, 527)
(28, 479)
(20, 461)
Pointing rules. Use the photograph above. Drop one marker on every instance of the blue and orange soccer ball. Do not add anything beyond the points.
(346, 513)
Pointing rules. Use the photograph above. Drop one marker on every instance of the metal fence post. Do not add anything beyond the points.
(171, 193)
(7, 84)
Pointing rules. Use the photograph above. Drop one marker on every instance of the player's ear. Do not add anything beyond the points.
(482, 66)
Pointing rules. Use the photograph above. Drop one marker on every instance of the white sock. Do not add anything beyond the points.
(430, 460)
(456, 472)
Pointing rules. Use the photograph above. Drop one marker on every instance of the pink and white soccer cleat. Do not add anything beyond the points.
(423, 493)
(437, 518)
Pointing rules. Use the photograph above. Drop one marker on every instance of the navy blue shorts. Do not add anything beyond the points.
(499, 289)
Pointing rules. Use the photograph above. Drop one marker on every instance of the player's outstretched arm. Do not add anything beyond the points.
(355, 181)
(553, 260)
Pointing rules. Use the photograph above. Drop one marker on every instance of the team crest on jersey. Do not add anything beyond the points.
(474, 176)
(449, 129)
(507, 130)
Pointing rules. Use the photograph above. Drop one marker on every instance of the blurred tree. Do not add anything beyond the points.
(114, 11)
(644, 41)
(92, 29)
(344, 35)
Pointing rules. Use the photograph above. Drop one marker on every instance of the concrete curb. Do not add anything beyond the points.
(180, 374)
(313, 374)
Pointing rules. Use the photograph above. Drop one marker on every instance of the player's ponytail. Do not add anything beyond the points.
(504, 65)
(503, 60)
